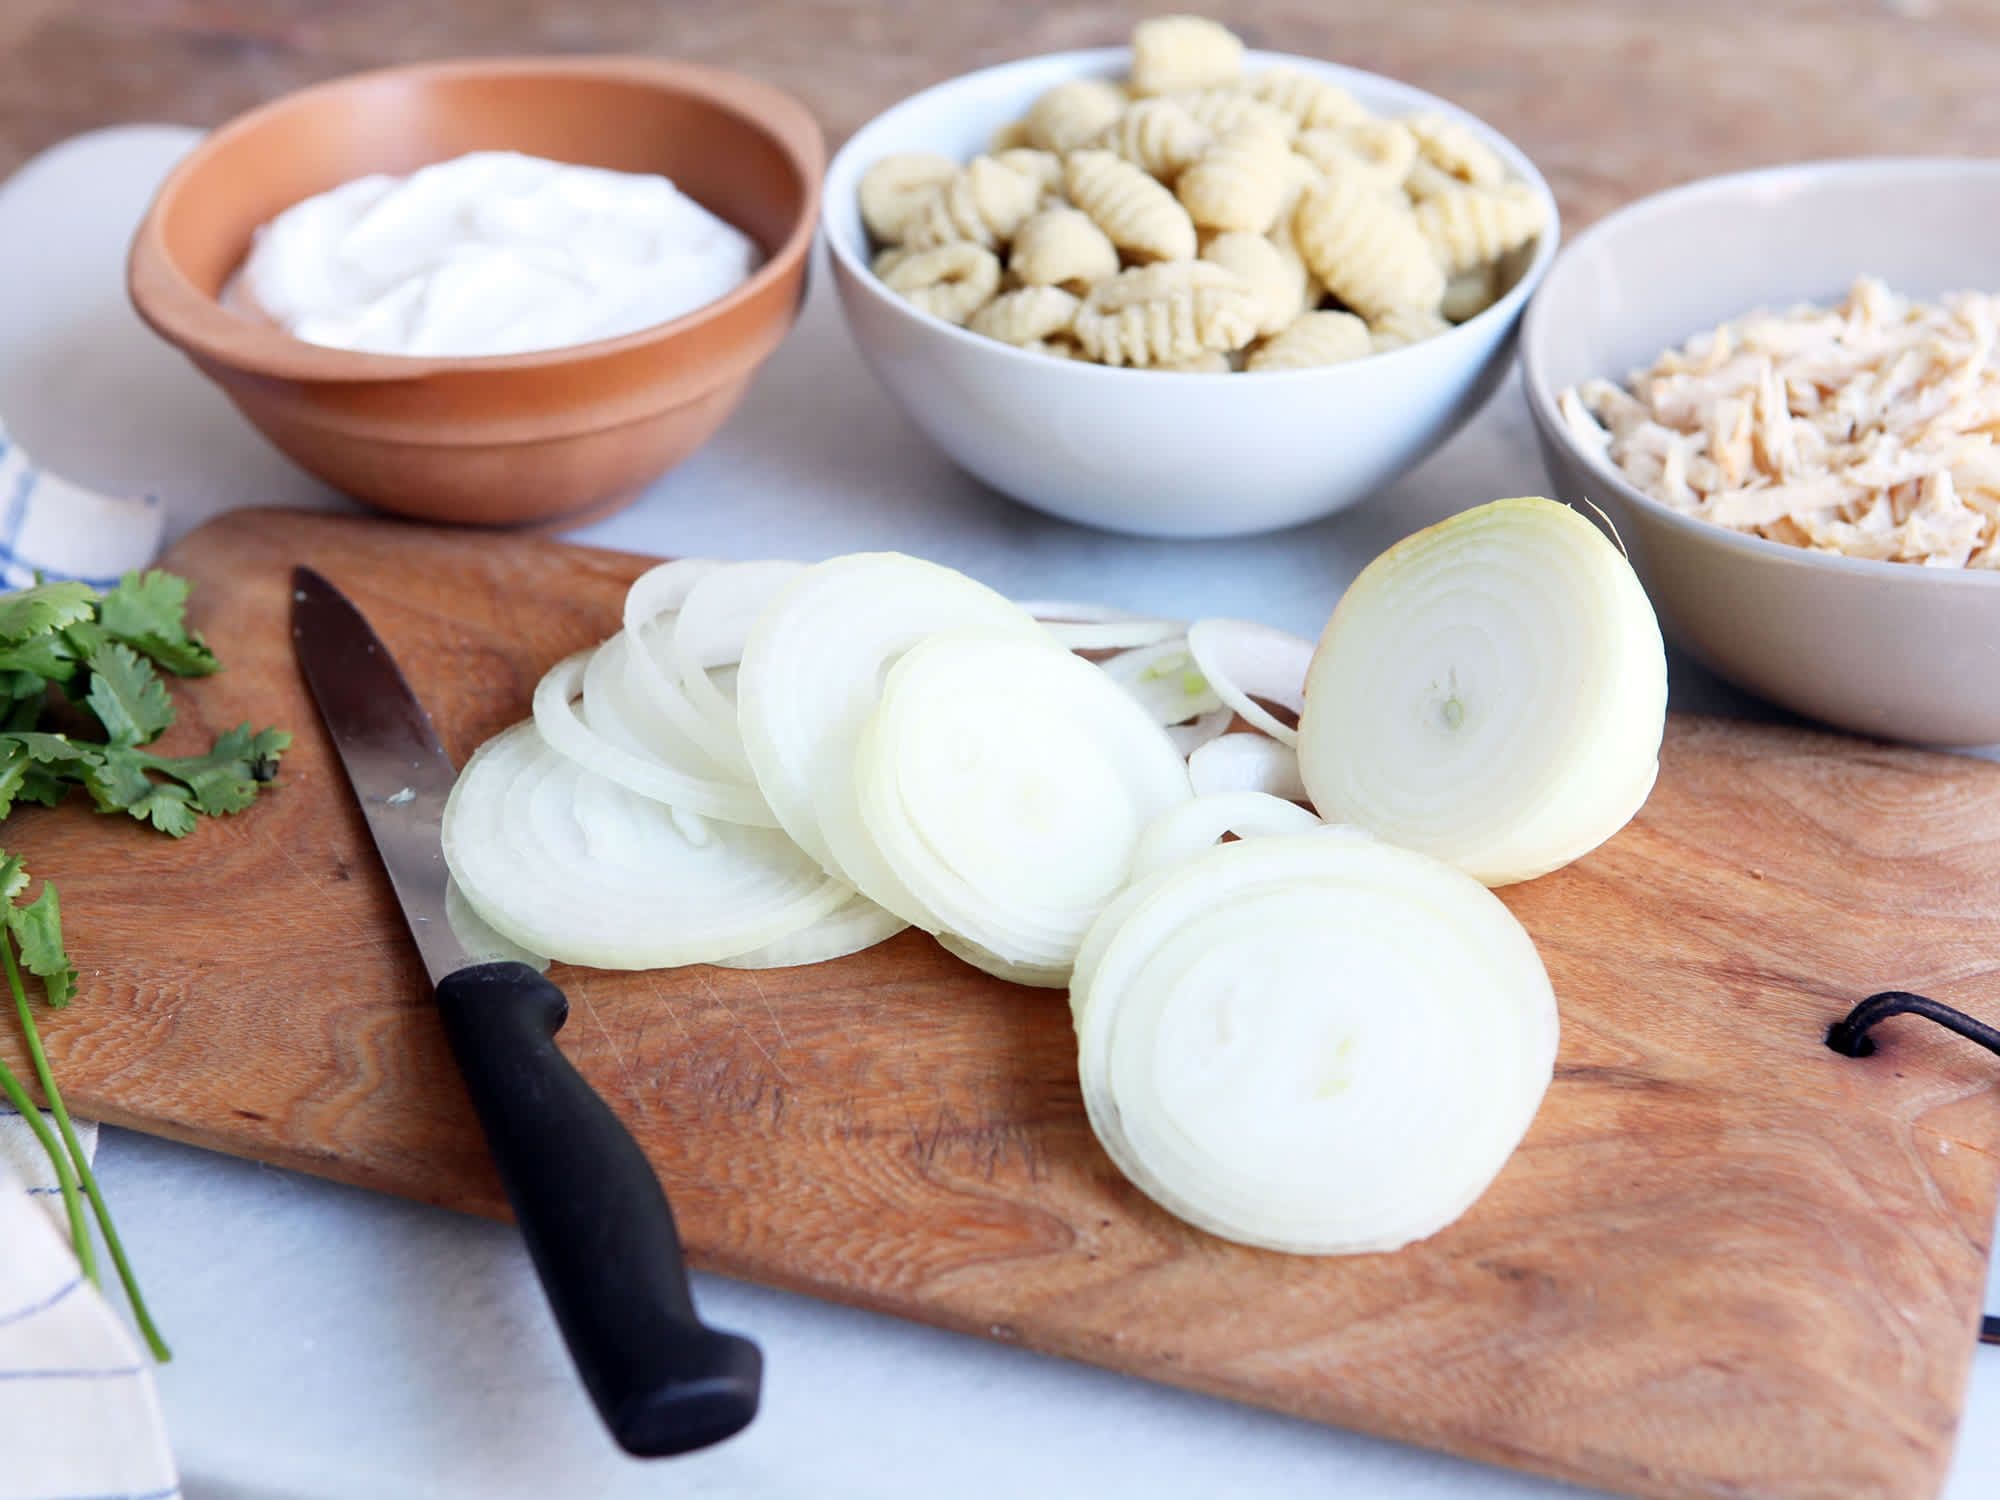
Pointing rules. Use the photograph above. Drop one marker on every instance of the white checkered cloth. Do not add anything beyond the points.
(77, 1404)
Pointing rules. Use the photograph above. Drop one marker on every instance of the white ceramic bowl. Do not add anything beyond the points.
(1159, 454)
(1886, 649)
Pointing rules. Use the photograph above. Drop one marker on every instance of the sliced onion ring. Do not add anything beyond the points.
(812, 672)
(567, 863)
(855, 924)
(1180, 833)
(1041, 978)
(570, 736)
(1083, 626)
(1244, 662)
(1163, 677)
(1191, 736)
(654, 597)
(1246, 763)
(477, 937)
(618, 706)
(1005, 785)
(1322, 1045)
(714, 620)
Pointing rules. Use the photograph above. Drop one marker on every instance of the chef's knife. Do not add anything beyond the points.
(596, 1222)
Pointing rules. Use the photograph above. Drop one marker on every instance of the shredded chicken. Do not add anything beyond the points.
(1869, 429)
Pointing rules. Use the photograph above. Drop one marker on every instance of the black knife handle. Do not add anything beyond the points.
(596, 1222)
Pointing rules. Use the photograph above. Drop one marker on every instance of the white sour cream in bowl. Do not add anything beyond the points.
(490, 253)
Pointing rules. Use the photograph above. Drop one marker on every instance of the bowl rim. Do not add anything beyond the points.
(199, 324)
(1548, 416)
(1087, 60)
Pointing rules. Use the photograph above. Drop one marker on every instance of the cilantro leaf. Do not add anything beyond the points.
(116, 780)
(13, 878)
(37, 927)
(15, 763)
(44, 786)
(127, 696)
(226, 779)
(53, 749)
(148, 612)
(165, 806)
(48, 656)
(45, 607)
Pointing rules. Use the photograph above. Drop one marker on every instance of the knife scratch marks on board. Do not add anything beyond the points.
(708, 987)
(769, 1010)
(329, 899)
(580, 994)
(666, 1008)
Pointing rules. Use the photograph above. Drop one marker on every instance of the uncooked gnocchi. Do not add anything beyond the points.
(1062, 247)
(1157, 136)
(1167, 314)
(1239, 183)
(951, 282)
(1205, 216)
(1317, 338)
(1029, 315)
(1171, 53)
(1070, 114)
(1365, 245)
(1273, 271)
(1136, 213)
(983, 204)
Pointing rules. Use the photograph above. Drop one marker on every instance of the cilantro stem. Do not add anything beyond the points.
(79, 1232)
(83, 1173)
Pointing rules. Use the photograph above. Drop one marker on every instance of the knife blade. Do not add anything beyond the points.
(595, 1219)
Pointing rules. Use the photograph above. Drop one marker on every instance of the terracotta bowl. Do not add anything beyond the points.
(501, 440)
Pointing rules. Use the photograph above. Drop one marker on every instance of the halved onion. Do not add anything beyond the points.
(1246, 763)
(811, 674)
(616, 759)
(1004, 786)
(570, 864)
(1491, 691)
(1312, 1042)
(1245, 662)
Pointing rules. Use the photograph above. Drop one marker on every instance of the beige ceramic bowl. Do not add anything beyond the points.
(504, 440)
(1885, 649)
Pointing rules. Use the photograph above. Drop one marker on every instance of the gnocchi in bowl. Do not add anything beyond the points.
(1089, 310)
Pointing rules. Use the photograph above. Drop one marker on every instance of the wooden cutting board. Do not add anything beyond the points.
(1725, 1262)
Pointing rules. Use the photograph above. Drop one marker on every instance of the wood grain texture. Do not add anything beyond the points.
(1725, 1262)
(1612, 98)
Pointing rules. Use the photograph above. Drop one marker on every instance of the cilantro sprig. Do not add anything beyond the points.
(70, 656)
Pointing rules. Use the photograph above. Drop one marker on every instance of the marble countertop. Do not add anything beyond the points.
(333, 1343)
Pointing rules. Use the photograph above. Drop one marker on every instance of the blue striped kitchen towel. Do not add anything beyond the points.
(78, 1411)
(51, 527)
